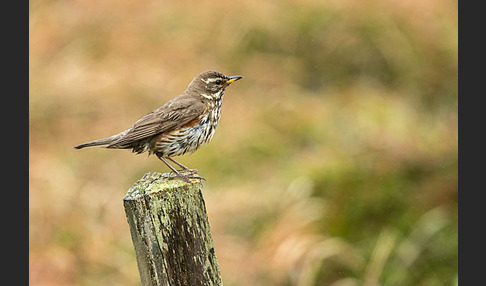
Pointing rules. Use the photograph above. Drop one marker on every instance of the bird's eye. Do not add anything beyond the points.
(218, 82)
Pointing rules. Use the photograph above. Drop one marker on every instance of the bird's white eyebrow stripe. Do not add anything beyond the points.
(210, 79)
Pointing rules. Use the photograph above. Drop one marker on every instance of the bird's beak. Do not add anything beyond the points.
(233, 79)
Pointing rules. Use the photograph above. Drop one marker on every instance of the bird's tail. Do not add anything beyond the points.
(99, 142)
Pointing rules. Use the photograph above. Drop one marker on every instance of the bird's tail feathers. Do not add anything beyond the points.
(99, 142)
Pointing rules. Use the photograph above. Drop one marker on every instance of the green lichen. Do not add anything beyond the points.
(155, 182)
(170, 229)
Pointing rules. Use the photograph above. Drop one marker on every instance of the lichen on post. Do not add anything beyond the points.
(170, 232)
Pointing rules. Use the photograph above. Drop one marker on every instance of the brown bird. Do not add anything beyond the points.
(180, 126)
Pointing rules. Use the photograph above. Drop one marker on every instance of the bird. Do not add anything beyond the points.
(180, 126)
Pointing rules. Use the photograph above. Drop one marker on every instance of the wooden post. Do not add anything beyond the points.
(170, 231)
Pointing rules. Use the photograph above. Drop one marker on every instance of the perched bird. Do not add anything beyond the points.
(180, 126)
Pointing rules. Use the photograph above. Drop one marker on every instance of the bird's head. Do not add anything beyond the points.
(211, 84)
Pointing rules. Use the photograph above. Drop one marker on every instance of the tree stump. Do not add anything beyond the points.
(170, 232)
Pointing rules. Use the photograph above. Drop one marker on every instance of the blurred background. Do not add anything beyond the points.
(335, 161)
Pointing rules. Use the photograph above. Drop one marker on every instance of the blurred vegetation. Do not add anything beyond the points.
(335, 160)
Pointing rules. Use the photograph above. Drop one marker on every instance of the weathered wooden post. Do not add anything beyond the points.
(170, 231)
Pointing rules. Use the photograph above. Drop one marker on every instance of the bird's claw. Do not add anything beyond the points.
(185, 176)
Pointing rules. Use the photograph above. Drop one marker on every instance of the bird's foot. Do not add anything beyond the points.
(185, 176)
(195, 177)
(184, 173)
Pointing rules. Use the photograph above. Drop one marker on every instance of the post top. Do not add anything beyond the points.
(154, 182)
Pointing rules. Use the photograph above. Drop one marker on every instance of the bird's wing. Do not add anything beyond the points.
(172, 115)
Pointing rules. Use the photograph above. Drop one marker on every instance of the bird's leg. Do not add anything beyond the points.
(183, 177)
(192, 172)
(174, 170)
(182, 166)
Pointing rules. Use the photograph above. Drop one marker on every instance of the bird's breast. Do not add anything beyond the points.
(190, 137)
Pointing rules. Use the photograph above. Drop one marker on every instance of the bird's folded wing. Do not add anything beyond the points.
(173, 115)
